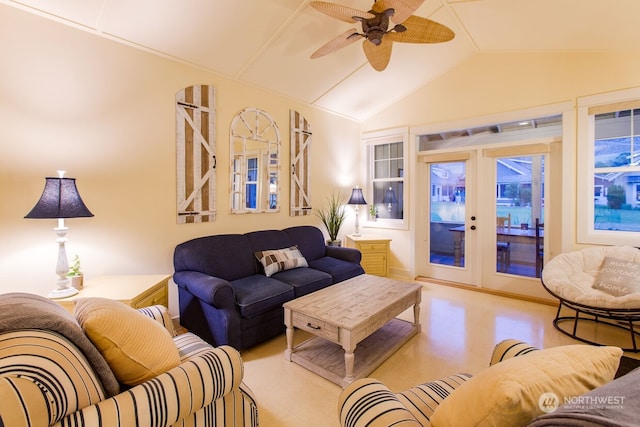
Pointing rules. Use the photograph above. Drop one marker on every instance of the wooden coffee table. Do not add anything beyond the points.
(357, 312)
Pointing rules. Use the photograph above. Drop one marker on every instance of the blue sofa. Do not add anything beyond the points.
(225, 296)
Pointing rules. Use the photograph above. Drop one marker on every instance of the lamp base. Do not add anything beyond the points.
(62, 293)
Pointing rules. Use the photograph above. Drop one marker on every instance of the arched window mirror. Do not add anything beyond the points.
(255, 163)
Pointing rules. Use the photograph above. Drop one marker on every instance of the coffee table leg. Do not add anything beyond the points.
(288, 321)
(349, 358)
(416, 316)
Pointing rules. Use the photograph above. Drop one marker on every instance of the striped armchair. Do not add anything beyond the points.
(368, 402)
(46, 380)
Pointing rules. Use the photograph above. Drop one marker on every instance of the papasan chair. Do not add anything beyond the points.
(598, 284)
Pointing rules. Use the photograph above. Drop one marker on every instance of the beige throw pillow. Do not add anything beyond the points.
(136, 347)
(514, 391)
(618, 277)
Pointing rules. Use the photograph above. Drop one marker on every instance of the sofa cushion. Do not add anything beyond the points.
(258, 294)
(309, 240)
(275, 260)
(339, 270)
(304, 280)
(227, 256)
(514, 391)
(268, 239)
(136, 347)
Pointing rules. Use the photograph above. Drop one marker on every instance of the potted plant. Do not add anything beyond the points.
(373, 213)
(75, 274)
(333, 217)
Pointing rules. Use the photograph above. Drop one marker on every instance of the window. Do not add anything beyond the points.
(251, 189)
(386, 157)
(609, 150)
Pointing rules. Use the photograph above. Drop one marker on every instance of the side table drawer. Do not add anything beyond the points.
(315, 326)
(158, 296)
(373, 247)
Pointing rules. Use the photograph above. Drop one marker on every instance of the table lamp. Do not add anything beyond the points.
(389, 198)
(357, 198)
(59, 200)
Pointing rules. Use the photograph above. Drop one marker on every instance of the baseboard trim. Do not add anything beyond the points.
(487, 291)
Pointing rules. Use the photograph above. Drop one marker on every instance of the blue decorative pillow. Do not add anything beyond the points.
(281, 259)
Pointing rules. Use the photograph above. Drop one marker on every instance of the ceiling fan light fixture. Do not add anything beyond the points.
(375, 28)
(375, 37)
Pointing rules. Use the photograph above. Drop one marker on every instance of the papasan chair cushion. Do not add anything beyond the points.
(570, 277)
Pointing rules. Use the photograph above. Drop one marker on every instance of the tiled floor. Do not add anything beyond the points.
(459, 330)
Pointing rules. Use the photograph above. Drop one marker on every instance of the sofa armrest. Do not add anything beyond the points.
(347, 254)
(509, 348)
(368, 402)
(160, 314)
(212, 290)
(171, 396)
(23, 403)
(422, 400)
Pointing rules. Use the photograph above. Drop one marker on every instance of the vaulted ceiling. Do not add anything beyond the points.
(267, 43)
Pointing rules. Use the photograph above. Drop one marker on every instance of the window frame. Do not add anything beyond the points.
(588, 108)
(370, 141)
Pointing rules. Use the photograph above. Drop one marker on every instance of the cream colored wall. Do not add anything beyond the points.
(104, 112)
(488, 85)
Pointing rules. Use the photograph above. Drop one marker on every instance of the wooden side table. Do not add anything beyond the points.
(375, 252)
(136, 291)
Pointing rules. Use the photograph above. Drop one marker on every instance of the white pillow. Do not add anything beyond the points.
(618, 277)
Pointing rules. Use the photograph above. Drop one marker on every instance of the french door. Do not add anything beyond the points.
(478, 210)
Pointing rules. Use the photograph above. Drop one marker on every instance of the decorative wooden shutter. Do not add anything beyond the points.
(299, 194)
(196, 154)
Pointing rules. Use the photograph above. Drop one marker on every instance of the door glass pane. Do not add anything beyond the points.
(519, 201)
(447, 208)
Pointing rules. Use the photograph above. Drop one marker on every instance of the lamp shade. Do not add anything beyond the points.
(60, 199)
(389, 196)
(357, 198)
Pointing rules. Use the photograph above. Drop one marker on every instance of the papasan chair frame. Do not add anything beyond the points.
(569, 278)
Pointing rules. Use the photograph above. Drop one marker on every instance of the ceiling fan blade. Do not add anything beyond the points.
(348, 37)
(403, 8)
(340, 12)
(380, 55)
(422, 30)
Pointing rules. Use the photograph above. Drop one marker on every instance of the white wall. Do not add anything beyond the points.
(490, 85)
(104, 112)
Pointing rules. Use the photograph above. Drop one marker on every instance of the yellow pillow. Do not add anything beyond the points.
(514, 391)
(136, 347)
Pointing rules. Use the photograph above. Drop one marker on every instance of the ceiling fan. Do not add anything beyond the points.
(378, 31)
